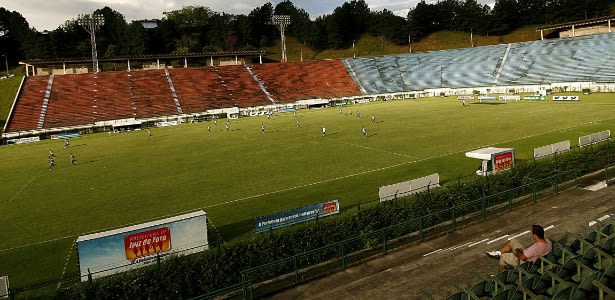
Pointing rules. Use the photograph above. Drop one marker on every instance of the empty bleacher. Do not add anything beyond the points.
(200, 89)
(28, 106)
(292, 81)
(574, 270)
(71, 101)
(587, 58)
(150, 94)
(439, 69)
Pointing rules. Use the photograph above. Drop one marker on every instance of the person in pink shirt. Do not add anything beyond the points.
(513, 252)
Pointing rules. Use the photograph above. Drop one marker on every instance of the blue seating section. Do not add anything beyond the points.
(587, 58)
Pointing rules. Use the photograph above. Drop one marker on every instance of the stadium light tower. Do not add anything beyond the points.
(91, 23)
(282, 21)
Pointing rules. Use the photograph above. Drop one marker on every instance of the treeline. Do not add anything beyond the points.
(196, 29)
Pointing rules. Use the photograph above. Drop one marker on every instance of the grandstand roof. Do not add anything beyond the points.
(577, 23)
(40, 61)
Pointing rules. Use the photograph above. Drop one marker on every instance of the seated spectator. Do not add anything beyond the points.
(513, 252)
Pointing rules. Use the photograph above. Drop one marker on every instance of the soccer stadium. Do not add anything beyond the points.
(353, 177)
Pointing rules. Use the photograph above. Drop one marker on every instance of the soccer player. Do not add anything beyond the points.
(52, 162)
(73, 159)
(226, 126)
(364, 131)
(262, 128)
(66, 143)
(298, 124)
(324, 131)
(373, 119)
(208, 128)
(149, 133)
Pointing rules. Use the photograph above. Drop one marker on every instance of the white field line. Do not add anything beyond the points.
(375, 149)
(70, 250)
(23, 187)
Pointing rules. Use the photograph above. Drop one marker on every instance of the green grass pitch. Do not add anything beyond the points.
(129, 178)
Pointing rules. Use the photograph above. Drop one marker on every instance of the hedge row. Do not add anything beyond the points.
(182, 277)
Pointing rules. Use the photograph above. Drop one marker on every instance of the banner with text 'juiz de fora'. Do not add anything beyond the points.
(105, 253)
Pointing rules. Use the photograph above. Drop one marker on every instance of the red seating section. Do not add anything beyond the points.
(79, 99)
(216, 87)
(292, 81)
(28, 107)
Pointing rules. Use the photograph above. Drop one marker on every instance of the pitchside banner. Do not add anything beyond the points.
(503, 161)
(110, 252)
(296, 215)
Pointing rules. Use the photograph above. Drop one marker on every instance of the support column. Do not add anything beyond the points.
(211, 59)
(158, 63)
(185, 62)
(542, 36)
(129, 65)
(64, 67)
(573, 35)
(236, 62)
(260, 59)
(610, 26)
(27, 70)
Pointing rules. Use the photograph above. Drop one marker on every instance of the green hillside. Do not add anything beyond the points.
(369, 45)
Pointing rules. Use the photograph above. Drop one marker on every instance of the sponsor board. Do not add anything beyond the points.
(27, 140)
(63, 136)
(486, 98)
(296, 215)
(566, 98)
(167, 123)
(535, 98)
(503, 161)
(510, 98)
(105, 253)
(465, 97)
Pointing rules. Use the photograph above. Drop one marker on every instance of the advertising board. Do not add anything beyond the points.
(503, 161)
(535, 98)
(105, 253)
(566, 98)
(297, 215)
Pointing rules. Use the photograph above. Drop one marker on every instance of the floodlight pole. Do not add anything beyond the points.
(282, 21)
(91, 23)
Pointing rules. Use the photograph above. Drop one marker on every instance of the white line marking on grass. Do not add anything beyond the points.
(70, 251)
(375, 149)
(24, 186)
(493, 241)
(549, 227)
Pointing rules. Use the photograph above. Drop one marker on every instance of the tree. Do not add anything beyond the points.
(262, 31)
(387, 24)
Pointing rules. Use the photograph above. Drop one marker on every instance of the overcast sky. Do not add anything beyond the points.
(49, 14)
